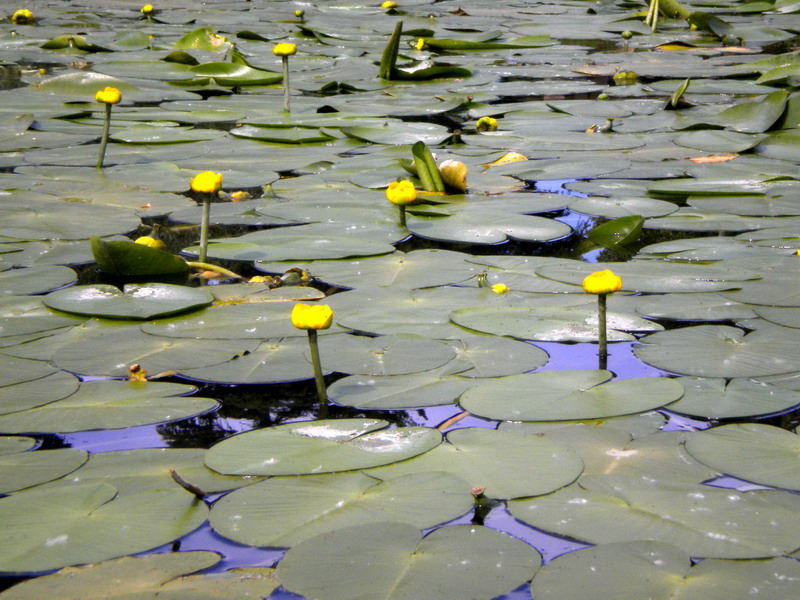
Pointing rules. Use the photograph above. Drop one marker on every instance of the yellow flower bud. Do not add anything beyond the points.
(108, 95)
(207, 182)
(602, 282)
(299, 13)
(420, 44)
(23, 17)
(284, 49)
(147, 9)
(146, 240)
(401, 192)
(486, 124)
(261, 279)
(306, 316)
(388, 5)
(454, 174)
(500, 288)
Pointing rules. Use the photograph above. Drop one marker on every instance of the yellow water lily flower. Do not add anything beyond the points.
(486, 124)
(307, 316)
(500, 288)
(207, 182)
(299, 13)
(420, 44)
(146, 240)
(388, 5)
(602, 282)
(454, 174)
(147, 9)
(23, 17)
(284, 49)
(108, 95)
(401, 192)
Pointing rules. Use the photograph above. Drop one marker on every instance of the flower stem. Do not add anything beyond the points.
(285, 60)
(602, 333)
(321, 392)
(402, 215)
(204, 228)
(209, 267)
(101, 154)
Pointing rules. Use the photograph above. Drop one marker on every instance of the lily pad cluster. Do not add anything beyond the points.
(460, 421)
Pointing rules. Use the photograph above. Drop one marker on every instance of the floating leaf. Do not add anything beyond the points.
(718, 399)
(130, 259)
(26, 469)
(392, 561)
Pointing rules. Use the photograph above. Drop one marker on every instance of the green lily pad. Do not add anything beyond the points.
(718, 399)
(35, 280)
(750, 451)
(145, 301)
(14, 444)
(53, 528)
(568, 395)
(284, 511)
(163, 575)
(130, 259)
(383, 355)
(393, 560)
(693, 307)
(26, 469)
(618, 232)
(720, 351)
(506, 464)
(319, 447)
(20, 396)
(64, 221)
(703, 521)
(660, 571)
(109, 404)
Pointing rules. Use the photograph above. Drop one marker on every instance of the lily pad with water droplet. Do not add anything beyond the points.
(393, 561)
(145, 301)
(702, 520)
(319, 447)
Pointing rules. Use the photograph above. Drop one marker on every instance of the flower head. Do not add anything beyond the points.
(299, 13)
(146, 240)
(307, 316)
(284, 49)
(454, 174)
(486, 124)
(389, 5)
(401, 192)
(108, 95)
(500, 288)
(602, 282)
(420, 44)
(207, 182)
(23, 17)
(147, 9)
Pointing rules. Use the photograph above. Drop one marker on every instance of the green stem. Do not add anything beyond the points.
(402, 208)
(210, 267)
(285, 83)
(321, 392)
(101, 153)
(602, 333)
(389, 57)
(204, 228)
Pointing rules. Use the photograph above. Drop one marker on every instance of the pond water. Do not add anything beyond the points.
(477, 419)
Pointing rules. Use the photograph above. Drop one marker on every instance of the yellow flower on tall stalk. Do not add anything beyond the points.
(147, 10)
(285, 50)
(206, 184)
(23, 17)
(602, 283)
(146, 240)
(401, 193)
(108, 96)
(389, 5)
(312, 318)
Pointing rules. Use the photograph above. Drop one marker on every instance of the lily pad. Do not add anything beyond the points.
(145, 301)
(109, 404)
(319, 447)
(391, 561)
(53, 528)
(568, 395)
(284, 511)
(750, 451)
(702, 520)
(26, 469)
(737, 398)
(162, 575)
(130, 259)
(35, 280)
